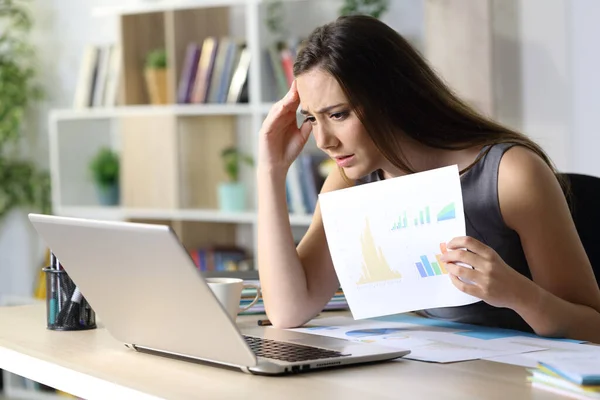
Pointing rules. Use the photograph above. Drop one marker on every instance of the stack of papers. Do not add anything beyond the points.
(574, 375)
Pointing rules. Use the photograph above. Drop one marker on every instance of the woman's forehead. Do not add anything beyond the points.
(317, 90)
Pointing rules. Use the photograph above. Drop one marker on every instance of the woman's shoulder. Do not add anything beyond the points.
(525, 182)
(520, 165)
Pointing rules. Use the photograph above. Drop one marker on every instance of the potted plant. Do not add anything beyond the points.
(155, 74)
(22, 182)
(374, 8)
(105, 171)
(232, 194)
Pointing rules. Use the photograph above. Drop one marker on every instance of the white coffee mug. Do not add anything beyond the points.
(229, 293)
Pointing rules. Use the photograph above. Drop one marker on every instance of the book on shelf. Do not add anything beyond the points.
(219, 258)
(188, 73)
(303, 183)
(215, 72)
(575, 376)
(99, 76)
(280, 57)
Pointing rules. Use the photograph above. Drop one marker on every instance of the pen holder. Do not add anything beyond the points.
(66, 308)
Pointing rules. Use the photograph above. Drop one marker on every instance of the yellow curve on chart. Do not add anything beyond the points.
(374, 267)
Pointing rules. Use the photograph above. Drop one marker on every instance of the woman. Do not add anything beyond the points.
(376, 107)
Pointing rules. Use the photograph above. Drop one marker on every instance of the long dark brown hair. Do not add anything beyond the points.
(392, 89)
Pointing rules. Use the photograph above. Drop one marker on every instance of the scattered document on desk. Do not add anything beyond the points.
(553, 350)
(427, 342)
(386, 239)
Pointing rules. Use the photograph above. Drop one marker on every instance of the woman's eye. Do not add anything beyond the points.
(339, 115)
(310, 119)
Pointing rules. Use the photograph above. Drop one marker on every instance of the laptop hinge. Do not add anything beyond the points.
(143, 349)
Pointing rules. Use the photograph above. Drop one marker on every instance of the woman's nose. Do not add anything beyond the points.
(324, 138)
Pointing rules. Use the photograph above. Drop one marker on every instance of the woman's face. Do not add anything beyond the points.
(337, 129)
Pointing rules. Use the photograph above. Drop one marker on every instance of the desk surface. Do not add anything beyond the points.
(93, 365)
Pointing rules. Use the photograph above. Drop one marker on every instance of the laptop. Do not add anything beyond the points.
(149, 294)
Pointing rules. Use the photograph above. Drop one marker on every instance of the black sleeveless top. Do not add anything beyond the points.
(484, 222)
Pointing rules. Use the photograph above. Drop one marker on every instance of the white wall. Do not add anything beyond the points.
(545, 76)
(584, 27)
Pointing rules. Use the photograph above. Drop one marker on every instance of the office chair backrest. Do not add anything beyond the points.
(585, 209)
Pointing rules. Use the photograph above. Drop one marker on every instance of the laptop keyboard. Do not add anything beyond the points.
(289, 352)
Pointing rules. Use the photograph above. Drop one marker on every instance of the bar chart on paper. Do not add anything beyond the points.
(428, 268)
(423, 217)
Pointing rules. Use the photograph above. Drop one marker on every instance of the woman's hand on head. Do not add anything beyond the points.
(491, 279)
(280, 139)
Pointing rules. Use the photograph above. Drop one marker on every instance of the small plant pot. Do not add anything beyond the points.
(156, 83)
(108, 195)
(232, 196)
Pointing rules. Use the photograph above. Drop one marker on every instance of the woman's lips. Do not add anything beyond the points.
(345, 161)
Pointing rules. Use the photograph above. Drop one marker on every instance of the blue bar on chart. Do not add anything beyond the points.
(421, 270)
(404, 221)
(421, 217)
(427, 219)
(427, 266)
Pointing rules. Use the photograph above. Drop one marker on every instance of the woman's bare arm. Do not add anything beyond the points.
(563, 299)
(296, 282)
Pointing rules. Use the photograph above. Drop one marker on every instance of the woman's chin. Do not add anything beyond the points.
(355, 172)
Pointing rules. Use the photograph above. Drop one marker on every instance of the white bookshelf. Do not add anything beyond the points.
(151, 110)
(123, 213)
(147, 6)
(93, 127)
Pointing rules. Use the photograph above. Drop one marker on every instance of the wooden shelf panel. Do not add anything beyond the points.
(190, 214)
(143, 7)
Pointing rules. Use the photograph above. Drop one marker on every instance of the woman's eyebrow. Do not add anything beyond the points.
(324, 109)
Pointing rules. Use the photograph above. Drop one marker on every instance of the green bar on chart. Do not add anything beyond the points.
(436, 268)
(427, 215)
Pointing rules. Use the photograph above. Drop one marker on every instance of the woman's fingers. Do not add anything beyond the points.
(285, 109)
(291, 100)
(305, 130)
(470, 244)
(464, 273)
(463, 256)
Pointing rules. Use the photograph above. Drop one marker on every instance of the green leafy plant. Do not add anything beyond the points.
(156, 59)
(374, 8)
(22, 182)
(232, 158)
(105, 168)
(274, 18)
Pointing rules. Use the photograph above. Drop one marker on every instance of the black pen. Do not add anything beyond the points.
(53, 261)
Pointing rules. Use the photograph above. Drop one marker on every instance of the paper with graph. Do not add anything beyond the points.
(386, 239)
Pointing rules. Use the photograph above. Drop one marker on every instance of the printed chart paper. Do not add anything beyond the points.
(386, 239)
(426, 342)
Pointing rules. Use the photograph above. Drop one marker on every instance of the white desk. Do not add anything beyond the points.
(93, 365)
